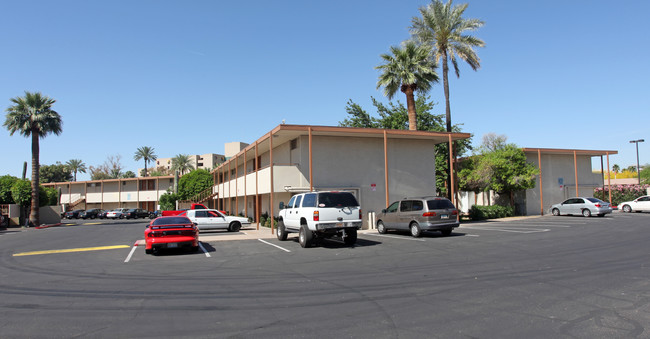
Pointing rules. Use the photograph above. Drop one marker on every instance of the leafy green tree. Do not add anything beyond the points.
(408, 69)
(147, 154)
(395, 116)
(503, 169)
(193, 183)
(76, 165)
(6, 183)
(33, 116)
(616, 168)
(168, 201)
(443, 28)
(52, 196)
(182, 163)
(55, 173)
(128, 174)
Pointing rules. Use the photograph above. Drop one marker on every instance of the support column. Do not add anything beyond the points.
(451, 171)
(311, 163)
(575, 168)
(541, 192)
(386, 167)
(609, 180)
(272, 190)
(257, 194)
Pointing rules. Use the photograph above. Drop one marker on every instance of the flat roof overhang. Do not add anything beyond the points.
(285, 133)
(560, 151)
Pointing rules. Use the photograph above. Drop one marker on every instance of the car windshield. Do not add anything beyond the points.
(336, 199)
(171, 221)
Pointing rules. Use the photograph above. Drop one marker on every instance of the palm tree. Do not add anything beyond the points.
(182, 163)
(408, 69)
(146, 153)
(32, 115)
(76, 165)
(443, 28)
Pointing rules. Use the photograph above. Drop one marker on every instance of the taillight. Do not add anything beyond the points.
(316, 216)
(360, 214)
(597, 205)
(455, 212)
(429, 214)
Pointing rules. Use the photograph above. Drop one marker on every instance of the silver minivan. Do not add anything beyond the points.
(419, 214)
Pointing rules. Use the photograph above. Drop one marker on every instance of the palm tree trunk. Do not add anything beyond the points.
(445, 80)
(145, 168)
(34, 215)
(410, 104)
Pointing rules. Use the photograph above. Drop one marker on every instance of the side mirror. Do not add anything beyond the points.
(383, 211)
(281, 205)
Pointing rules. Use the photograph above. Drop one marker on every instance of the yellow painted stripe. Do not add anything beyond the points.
(71, 250)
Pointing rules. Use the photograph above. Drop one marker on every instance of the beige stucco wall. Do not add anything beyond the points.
(554, 167)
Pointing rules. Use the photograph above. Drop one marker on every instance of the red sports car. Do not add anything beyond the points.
(171, 232)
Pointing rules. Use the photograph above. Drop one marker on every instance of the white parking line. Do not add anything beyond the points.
(509, 229)
(128, 258)
(203, 249)
(274, 245)
(395, 237)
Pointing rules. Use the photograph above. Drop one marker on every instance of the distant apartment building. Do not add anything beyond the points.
(207, 161)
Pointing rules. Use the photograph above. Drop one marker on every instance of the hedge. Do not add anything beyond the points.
(490, 212)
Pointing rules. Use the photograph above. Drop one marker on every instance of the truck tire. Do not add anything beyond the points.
(381, 228)
(305, 236)
(350, 237)
(281, 232)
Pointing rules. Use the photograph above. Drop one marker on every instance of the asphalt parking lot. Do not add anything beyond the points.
(533, 277)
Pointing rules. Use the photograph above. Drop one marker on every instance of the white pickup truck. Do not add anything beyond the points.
(318, 215)
(213, 219)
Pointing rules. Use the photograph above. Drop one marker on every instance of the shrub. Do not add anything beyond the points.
(490, 212)
(621, 193)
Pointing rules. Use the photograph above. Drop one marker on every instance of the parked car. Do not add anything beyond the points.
(73, 214)
(581, 205)
(419, 214)
(102, 215)
(637, 205)
(136, 213)
(320, 215)
(171, 232)
(116, 213)
(91, 213)
(214, 219)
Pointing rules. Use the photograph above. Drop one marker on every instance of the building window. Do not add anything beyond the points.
(294, 144)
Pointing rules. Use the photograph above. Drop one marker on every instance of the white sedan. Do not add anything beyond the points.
(214, 219)
(637, 205)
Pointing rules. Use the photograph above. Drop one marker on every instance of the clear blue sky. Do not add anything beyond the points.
(189, 76)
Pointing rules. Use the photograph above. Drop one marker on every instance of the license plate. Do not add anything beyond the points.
(444, 216)
(340, 224)
(172, 245)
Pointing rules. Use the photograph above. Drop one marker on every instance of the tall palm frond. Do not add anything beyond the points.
(407, 69)
(32, 116)
(76, 165)
(146, 153)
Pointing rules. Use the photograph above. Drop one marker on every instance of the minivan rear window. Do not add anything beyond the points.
(439, 204)
(336, 199)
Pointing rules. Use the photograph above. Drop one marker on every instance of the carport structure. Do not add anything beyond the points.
(377, 165)
(560, 169)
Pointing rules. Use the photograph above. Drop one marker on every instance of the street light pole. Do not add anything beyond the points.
(638, 174)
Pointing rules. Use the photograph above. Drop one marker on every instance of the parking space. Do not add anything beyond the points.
(254, 242)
